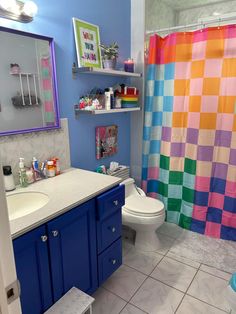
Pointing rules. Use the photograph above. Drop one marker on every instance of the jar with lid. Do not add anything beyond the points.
(8, 179)
(51, 171)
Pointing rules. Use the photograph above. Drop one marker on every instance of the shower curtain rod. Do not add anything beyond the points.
(202, 24)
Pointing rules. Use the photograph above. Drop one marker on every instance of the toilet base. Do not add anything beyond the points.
(147, 241)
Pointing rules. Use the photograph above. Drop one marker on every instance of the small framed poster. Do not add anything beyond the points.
(106, 141)
(87, 41)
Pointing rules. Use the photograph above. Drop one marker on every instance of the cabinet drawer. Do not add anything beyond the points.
(109, 261)
(108, 230)
(110, 201)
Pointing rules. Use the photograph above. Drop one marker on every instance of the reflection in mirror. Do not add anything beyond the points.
(28, 92)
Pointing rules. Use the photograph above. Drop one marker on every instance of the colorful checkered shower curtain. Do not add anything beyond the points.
(189, 141)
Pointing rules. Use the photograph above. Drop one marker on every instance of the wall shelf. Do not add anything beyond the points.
(79, 111)
(91, 70)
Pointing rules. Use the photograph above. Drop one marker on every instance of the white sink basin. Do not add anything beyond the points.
(22, 204)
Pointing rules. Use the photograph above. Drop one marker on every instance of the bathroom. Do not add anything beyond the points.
(194, 260)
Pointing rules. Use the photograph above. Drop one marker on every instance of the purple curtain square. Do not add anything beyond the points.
(205, 153)
(177, 149)
(223, 138)
(232, 157)
(166, 134)
(219, 170)
(192, 136)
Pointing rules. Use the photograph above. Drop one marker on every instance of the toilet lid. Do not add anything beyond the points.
(143, 206)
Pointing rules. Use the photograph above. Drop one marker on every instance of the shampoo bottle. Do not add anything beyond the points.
(22, 174)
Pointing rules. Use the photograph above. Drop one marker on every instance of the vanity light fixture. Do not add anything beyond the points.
(18, 11)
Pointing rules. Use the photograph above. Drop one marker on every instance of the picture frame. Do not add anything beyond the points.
(87, 41)
(106, 141)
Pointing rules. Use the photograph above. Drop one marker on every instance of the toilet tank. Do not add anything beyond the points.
(130, 188)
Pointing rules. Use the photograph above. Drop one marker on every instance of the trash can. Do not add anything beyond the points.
(231, 294)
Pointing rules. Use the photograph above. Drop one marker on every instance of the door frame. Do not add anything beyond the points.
(7, 262)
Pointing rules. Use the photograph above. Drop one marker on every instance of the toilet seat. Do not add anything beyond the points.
(143, 206)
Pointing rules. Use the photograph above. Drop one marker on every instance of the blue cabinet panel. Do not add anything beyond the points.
(110, 260)
(72, 243)
(110, 201)
(32, 266)
(109, 230)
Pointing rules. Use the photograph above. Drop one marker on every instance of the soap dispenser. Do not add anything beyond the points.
(22, 174)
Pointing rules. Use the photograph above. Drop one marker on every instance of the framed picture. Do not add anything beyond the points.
(87, 40)
(106, 141)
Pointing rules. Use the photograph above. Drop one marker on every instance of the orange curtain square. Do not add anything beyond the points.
(195, 103)
(215, 49)
(181, 87)
(215, 33)
(183, 52)
(179, 119)
(208, 121)
(169, 54)
(197, 69)
(211, 86)
(184, 38)
(227, 104)
(229, 67)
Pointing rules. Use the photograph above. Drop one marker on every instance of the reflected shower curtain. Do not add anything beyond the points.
(189, 141)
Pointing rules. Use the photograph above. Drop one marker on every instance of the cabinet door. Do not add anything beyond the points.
(72, 242)
(32, 266)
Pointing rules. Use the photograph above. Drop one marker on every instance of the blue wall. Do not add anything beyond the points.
(54, 19)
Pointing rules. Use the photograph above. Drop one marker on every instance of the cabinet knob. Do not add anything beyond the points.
(115, 202)
(113, 261)
(44, 238)
(113, 229)
(55, 233)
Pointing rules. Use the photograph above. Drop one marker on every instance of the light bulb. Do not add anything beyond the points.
(30, 8)
(7, 4)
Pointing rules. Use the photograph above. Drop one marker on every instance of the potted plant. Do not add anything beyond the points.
(109, 55)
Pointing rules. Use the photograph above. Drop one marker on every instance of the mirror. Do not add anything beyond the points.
(28, 90)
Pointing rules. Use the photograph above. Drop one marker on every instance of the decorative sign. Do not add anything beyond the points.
(87, 40)
(106, 141)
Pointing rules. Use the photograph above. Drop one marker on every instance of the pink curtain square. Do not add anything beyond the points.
(199, 212)
(196, 87)
(216, 200)
(213, 229)
(153, 173)
(198, 50)
(213, 67)
(202, 184)
(182, 70)
(225, 121)
(228, 219)
(210, 103)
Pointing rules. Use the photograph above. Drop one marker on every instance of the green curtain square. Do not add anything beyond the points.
(188, 195)
(185, 222)
(163, 189)
(187, 209)
(190, 166)
(176, 177)
(172, 217)
(164, 162)
(174, 204)
(175, 191)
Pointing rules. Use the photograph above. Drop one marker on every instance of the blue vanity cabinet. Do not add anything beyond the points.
(73, 251)
(33, 271)
(109, 225)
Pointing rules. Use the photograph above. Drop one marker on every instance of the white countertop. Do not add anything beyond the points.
(66, 191)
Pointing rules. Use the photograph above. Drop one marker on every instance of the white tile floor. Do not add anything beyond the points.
(187, 275)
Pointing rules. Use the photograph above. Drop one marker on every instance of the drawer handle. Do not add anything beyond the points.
(115, 202)
(55, 233)
(113, 261)
(44, 238)
(113, 229)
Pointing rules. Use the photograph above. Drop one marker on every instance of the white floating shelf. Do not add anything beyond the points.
(78, 111)
(92, 70)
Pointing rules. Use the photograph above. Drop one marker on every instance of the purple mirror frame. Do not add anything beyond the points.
(54, 81)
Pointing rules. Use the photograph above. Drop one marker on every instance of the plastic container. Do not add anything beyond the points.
(231, 294)
(107, 100)
(51, 171)
(8, 179)
(22, 173)
(56, 165)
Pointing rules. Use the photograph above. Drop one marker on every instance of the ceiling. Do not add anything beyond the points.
(187, 4)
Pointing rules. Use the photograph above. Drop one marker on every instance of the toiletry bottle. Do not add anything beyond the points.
(35, 165)
(22, 174)
(8, 179)
(107, 99)
(30, 175)
(56, 165)
(51, 169)
(112, 98)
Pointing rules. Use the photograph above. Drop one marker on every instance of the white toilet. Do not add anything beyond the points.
(143, 214)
